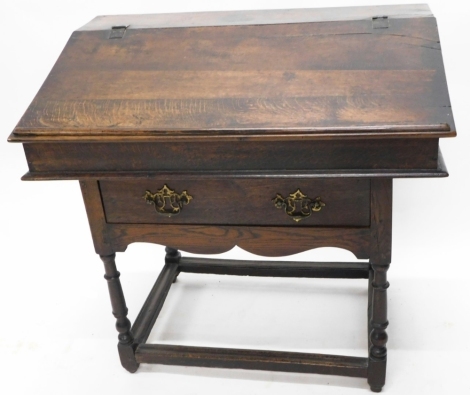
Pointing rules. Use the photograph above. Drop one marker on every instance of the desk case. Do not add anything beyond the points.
(276, 131)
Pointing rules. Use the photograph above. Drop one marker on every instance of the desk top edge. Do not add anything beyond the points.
(256, 17)
(386, 132)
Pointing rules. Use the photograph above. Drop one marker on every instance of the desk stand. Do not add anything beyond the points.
(133, 349)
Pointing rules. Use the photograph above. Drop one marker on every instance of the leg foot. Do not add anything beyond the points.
(127, 357)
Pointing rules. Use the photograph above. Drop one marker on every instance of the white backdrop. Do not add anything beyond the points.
(57, 333)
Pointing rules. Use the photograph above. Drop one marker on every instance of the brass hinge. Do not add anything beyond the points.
(380, 22)
(118, 31)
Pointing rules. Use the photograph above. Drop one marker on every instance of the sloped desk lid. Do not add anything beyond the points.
(360, 72)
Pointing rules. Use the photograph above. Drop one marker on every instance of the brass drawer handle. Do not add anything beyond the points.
(166, 201)
(297, 205)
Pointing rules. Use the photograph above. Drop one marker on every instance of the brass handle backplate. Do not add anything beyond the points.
(166, 201)
(297, 205)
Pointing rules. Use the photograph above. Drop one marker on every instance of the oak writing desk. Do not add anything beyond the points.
(276, 131)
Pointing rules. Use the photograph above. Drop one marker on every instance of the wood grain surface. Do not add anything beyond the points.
(307, 79)
(377, 154)
(227, 358)
(262, 240)
(240, 202)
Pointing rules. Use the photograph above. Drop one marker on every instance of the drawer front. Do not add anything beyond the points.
(284, 202)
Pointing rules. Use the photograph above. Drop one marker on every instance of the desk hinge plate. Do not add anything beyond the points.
(380, 22)
(118, 31)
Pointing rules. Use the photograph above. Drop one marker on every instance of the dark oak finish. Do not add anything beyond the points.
(380, 154)
(240, 110)
(275, 268)
(239, 202)
(214, 81)
(252, 359)
(380, 258)
(440, 171)
(265, 240)
(96, 218)
(126, 345)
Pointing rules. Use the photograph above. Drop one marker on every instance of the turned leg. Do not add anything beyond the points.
(123, 325)
(380, 258)
(378, 326)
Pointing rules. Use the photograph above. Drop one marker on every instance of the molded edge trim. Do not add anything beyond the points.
(43, 135)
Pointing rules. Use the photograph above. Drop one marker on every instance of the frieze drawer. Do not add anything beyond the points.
(272, 201)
